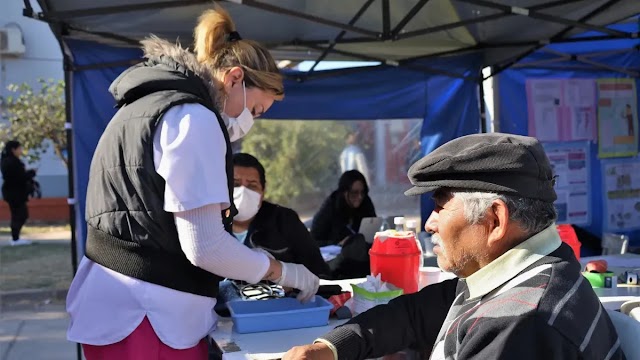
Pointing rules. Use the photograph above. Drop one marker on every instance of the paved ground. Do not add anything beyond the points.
(35, 330)
(57, 236)
(38, 332)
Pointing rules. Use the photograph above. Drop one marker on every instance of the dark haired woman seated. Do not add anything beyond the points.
(338, 223)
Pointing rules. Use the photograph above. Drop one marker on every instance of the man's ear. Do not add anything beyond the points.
(498, 221)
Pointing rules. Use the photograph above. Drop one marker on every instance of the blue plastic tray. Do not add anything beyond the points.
(278, 314)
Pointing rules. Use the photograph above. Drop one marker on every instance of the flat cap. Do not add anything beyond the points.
(495, 162)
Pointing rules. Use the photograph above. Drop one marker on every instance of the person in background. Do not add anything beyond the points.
(271, 227)
(342, 212)
(16, 187)
(628, 115)
(353, 158)
(520, 293)
(159, 206)
(338, 223)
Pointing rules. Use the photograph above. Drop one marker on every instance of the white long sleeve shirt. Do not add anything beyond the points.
(106, 306)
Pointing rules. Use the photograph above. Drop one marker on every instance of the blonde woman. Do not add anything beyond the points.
(159, 203)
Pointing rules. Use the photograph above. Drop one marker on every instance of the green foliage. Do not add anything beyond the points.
(35, 116)
(299, 157)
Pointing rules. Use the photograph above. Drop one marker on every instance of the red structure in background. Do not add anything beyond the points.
(568, 236)
(45, 210)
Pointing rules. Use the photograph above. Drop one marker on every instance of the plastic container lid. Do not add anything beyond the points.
(412, 224)
(398, 220)
(393, 242)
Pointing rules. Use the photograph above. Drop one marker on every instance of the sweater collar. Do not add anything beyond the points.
(513, 262)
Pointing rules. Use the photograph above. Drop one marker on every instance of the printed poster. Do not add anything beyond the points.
(562, 109)
(617, 118)
(621, 182)
(571, 166)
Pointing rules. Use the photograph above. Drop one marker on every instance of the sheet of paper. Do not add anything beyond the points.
(617, 118)
(561, 109)
(621, 181)
(571, 166)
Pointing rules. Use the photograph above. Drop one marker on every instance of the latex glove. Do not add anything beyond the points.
(299, 277)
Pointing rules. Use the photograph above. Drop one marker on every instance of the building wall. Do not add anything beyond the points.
(42, 59)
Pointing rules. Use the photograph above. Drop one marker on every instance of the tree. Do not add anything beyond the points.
(34, 117)
(299, 156)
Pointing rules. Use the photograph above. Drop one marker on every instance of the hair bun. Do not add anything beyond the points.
(233, 36)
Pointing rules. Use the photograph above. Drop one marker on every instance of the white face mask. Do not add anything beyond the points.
(247, 202)
(238, 126)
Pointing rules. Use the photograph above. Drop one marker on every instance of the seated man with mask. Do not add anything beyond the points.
(520, 293)
(273, 228)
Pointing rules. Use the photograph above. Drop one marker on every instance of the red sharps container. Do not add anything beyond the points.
(397, 256)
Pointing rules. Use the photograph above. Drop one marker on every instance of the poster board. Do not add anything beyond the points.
(621, 194)
(572, 165)
(617, 118)
(561, 109)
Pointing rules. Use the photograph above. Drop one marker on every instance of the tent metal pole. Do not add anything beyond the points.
(284, 11)
(550, 18)
(110, 10)
(457, 24)
(447, 53)
(107, 35)
(331, 73)
(300, 42)
(28, 9)
(43, 16)
(495, 88)
(576, 67)
(418, 67)
(430, 70)
(386, 19)
(541, 62)
(559, 35)
(481, 104)
(68, 85)
(557, 41)
(610, 52)
(68, 93)
(355, 18)
(405, 20)
(480, 19)
(605, 66)
(58, 31)
(113, 64)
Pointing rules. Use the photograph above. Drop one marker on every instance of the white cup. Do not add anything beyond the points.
(429, 275)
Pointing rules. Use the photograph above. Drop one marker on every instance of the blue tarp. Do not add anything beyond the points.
(448, 105)
(513, 100)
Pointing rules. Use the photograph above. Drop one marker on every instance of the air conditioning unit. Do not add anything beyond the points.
(11, 42)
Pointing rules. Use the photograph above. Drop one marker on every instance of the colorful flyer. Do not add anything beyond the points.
(571, 166)
(621, 183)
(617, 118)
(561, 109)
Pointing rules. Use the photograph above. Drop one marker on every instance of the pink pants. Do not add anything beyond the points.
(143, 343)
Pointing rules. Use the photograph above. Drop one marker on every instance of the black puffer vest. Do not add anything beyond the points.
(128, 230)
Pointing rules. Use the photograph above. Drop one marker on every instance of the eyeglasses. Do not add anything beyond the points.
(357, 193)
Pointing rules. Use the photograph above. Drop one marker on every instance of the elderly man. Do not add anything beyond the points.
(520, 294)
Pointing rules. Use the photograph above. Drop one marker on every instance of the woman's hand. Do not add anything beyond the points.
(343, 241)
(299, 277)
